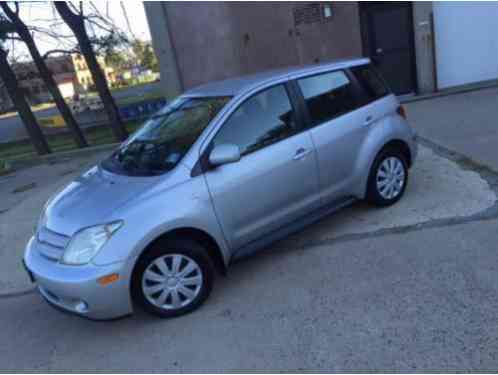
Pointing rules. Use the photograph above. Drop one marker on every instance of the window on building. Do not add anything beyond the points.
(309, 13)
(327, 96)
(263, 119)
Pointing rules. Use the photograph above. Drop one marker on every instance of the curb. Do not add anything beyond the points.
(17, 293)
(449, 92)
(57, 157)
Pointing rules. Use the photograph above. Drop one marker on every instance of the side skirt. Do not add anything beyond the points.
(289, 229)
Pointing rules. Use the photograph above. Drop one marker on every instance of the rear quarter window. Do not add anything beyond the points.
(327, 96)
(371, 82)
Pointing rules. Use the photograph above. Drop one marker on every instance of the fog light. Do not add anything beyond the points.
(81, 307)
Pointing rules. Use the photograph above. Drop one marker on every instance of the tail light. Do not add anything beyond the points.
(401, 111)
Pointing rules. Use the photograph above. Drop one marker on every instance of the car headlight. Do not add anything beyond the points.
(85, 244)
(42, 221)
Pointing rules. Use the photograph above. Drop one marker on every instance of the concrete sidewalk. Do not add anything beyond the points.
(466, 122)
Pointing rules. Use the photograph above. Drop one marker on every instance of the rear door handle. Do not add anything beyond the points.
(368, 120)
(301, 153)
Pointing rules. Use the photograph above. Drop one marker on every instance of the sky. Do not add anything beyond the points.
(41, 14)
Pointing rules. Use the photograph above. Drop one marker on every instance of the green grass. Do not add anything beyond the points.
(61, 142)
(34, 108)
(137, 84)
(3, 167)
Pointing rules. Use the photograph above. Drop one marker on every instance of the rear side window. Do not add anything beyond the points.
(371, 82)
(327, 96)
(263, 119)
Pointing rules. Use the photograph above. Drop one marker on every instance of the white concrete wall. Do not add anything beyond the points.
(466, 36)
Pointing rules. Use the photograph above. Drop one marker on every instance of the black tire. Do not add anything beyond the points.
(374, 195)
(184, 247)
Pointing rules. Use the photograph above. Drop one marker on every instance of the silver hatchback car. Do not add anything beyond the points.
(218, 173)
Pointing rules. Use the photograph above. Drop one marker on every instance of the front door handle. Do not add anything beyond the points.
(368, 121)
(301, 153)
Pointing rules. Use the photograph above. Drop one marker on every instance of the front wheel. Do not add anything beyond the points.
(173, 278)
(388, 178)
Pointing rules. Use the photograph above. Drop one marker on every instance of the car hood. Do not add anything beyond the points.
(92, 198)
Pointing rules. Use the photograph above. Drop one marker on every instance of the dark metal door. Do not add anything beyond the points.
(387, 33)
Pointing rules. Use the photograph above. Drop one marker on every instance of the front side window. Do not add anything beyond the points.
(263, 119)
(327, 96)
(166, 137)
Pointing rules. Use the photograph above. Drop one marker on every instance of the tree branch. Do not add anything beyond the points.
(63, 51)
(8, 11)
(50, 33)
(99, 25)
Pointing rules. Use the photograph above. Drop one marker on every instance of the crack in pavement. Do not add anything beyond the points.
(18, 293)
(23, 188)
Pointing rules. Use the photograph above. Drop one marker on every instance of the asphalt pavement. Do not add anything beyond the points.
(423, 300)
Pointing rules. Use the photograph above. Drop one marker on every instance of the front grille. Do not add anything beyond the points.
(51, 244)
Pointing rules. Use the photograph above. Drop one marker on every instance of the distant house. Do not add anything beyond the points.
(83, 75)
(70, 72)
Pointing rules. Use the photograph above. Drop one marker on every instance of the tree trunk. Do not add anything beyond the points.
(77, 25)
(28, 118)
(46, 75)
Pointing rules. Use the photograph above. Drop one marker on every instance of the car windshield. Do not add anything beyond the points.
(165, 138)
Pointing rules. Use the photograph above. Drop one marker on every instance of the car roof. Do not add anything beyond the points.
(238, 85)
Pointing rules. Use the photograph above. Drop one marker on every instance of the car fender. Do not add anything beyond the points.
(389, 128)
(190, 206)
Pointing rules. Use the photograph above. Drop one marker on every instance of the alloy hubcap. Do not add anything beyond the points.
(390, 178)
(172, 281)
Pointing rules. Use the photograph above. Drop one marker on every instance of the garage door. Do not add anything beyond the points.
(466, 35)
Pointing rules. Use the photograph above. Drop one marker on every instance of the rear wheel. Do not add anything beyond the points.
(173, 278)
(388, 178)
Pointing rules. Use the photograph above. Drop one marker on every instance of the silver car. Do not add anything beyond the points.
(222, 171)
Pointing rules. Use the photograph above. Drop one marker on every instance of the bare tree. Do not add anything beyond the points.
(17, 95)
(75, 19)
(24, 33)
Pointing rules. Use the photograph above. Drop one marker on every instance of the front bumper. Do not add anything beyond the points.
(75, 288)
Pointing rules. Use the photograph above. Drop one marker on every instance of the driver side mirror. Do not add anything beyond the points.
(224, 154)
